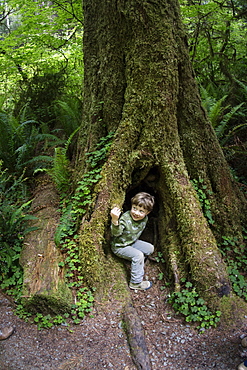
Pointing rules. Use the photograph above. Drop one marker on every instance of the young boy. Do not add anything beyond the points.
(125, 233)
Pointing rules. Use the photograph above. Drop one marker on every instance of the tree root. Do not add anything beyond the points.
(136, 338)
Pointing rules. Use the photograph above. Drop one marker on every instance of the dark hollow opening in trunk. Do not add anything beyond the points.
(148, 185)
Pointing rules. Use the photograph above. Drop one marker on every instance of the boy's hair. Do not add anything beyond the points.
(144, 200)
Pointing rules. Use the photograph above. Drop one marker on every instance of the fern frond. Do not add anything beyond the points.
(50, 139)
(68, 142)
(207, 100)
(68, 114)
(241, 84)
(60, 170)
(216, 111)
(220, 129)
(232, 132)
(7, 140)
(24, 114)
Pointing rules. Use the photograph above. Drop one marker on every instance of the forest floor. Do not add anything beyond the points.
(100, 342)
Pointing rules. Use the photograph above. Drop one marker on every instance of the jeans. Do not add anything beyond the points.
(136, 253)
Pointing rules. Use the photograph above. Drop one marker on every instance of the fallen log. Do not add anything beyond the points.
(136, 338)
(44, 287)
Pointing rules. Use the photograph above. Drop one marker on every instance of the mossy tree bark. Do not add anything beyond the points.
(139, 83)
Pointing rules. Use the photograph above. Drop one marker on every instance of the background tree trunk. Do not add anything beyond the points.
(139, 83)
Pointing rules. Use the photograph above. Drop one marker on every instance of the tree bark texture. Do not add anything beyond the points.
(44, 286)
(139, 83)
(136, 338)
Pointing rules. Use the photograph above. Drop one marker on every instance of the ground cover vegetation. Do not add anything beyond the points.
(41, 92)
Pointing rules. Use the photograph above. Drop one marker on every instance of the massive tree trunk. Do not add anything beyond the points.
(139, 83)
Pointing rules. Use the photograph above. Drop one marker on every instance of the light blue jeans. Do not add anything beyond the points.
(136, 253)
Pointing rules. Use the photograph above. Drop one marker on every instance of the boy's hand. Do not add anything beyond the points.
(115, 214)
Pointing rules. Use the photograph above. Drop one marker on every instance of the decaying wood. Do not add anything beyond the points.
(44, 288)
(136, 338)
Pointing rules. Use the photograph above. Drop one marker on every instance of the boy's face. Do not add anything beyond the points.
(138, 212)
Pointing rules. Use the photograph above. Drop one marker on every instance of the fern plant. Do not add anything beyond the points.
(221, 116)
(213, 106)
(19, 141)
(8, 139)
(13, 228)
(68, 114)
(59, 169)
(223, 131)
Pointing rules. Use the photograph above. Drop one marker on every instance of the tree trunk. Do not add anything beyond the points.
(139, 84)
(44, 286)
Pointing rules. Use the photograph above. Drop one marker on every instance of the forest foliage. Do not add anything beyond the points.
(41, 97)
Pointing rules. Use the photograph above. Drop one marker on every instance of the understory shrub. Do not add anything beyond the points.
(13, 227)
(188, 303)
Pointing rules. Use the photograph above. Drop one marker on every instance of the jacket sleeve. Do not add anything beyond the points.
(118, 230)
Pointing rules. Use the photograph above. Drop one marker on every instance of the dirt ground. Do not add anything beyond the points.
(100, 342)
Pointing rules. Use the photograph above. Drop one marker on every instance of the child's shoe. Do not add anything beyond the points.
(243, 366)
(144, 285)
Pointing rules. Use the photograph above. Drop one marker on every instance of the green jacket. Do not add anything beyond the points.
(127, 231)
